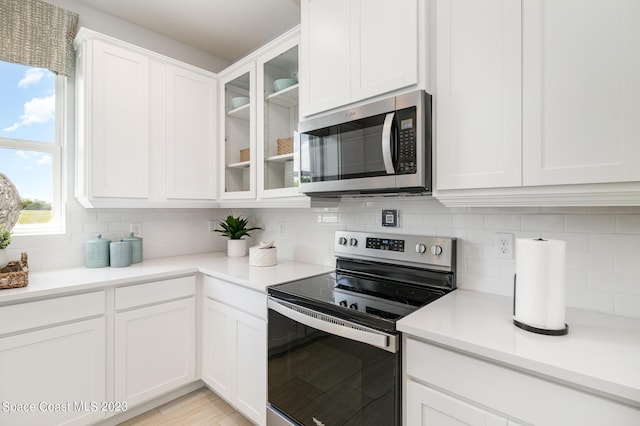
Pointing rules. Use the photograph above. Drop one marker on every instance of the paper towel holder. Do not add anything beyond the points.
(530, 328)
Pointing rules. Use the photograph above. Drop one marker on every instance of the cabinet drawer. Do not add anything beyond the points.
(47, 312)
(508, 391)
(155, 292)
(244, 299)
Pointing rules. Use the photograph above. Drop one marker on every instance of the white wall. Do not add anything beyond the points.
(126, 31)
(603, 244)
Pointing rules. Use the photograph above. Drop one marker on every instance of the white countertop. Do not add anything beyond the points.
(601, 352)
(217, 264)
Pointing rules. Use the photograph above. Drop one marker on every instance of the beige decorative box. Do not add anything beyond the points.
(264, 254)
(285, 145)
(244, 154)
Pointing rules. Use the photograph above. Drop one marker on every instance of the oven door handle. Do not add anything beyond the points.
(336, 326)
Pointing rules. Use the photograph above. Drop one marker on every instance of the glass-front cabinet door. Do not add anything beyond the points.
(278, 120)
(238, 133)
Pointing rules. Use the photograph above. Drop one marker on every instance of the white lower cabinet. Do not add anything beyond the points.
(154, 344)
(445, 387)
(426, 406)
(52, 375)
(234, 346)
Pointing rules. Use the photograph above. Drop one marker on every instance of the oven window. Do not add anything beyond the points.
(318, 377)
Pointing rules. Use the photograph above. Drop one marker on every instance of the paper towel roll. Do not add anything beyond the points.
(539, 293)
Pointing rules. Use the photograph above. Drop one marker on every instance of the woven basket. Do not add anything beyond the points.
(285, 145)
(244, 154)
(15, 274)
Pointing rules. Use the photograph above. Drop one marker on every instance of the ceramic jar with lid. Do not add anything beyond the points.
(120, 253)
(136, 247)
(96, 252)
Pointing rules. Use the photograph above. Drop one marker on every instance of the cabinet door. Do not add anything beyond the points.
(217, 344)
(191, 134)
(478, 86)
(62, 365)
(325, 55)
(251, 366)
(238, 131)
(384, 46)
(581, 91)
(154, 350)
(119, 121)
(234, 358)
(427, 407)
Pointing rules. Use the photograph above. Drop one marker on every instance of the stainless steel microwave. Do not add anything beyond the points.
(382, 147)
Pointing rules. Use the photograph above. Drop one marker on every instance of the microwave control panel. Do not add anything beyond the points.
(407, 141)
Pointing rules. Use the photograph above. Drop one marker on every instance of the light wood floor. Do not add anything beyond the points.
(200, 407)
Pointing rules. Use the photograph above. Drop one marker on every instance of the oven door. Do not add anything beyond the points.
(324, 370)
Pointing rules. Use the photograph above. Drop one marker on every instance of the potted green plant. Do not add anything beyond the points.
(5, 240)
(235, 228)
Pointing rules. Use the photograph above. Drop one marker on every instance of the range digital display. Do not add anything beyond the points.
(385, 244)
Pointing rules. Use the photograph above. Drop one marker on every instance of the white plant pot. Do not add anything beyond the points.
(236, 248)
(4, 258)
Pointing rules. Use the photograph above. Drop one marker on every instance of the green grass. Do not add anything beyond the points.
(34, 216)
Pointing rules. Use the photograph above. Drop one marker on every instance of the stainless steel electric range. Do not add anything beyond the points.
(334, 350)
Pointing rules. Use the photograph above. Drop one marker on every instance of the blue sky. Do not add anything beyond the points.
(27, 112)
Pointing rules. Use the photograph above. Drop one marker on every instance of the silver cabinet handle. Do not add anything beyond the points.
(335, 326)
(386, 144)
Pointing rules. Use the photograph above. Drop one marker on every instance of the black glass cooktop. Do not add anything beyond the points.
(363, 297)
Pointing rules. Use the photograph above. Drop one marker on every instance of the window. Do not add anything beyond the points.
(30, 144)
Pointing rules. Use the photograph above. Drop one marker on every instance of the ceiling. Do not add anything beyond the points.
(228, 29)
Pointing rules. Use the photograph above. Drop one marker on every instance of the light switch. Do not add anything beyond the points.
(390, 218)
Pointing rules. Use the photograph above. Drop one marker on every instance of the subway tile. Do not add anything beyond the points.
(467, 221)
(614, 282)
(553, 223)
(590, 299)
(628, 224)
(627, 304)
(590, 223)
(614, 243)
(502, 222)
(590, 261)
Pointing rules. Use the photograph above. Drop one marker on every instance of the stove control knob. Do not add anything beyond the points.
(436, 250)
(353, 306)
(420, 248)
(353, 242)
(343, 303)
(342, 241)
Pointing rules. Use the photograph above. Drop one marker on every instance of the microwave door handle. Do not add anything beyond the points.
(387, 143)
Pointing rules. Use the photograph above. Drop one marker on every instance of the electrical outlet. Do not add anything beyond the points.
(281, 228)
(136, 228)
(211, 225)
(503, 245)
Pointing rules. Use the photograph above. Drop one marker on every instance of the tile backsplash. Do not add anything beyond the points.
(603, 243)
(165, 232)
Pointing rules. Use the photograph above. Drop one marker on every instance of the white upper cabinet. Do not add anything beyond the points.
(326, 55)
(581, 91)
(146, 127)
(536, 99)
(478, 100)
(384, 46)
(191, 134)
(113, 121)
(353, 50)
(238, 132)
(278, 103)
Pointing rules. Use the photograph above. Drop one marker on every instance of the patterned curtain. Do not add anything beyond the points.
(37, 34)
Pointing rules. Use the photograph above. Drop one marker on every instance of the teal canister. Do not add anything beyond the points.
(136, 247)
(120, 253)
(96, 252)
